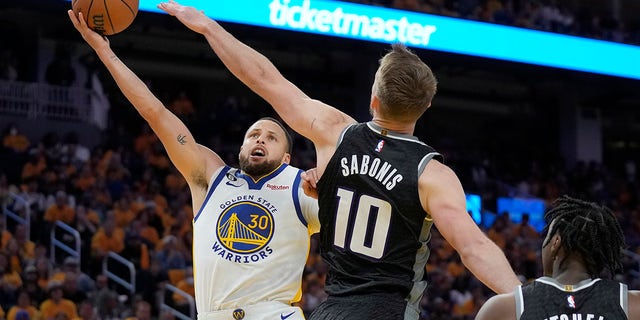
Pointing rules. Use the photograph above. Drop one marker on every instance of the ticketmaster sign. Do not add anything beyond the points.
(356, 21)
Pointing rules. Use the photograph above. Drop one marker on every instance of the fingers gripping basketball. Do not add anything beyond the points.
(107, 17)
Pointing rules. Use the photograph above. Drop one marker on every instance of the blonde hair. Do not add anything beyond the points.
(404, 84)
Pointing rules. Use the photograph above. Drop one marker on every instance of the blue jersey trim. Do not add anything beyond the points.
(296, 198)
(212, 188)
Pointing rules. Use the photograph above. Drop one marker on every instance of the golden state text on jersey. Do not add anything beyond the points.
(251, 239)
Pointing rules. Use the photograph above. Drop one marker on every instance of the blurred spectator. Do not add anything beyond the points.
(106, 300)
(145, 140)
(142, 311)
(498, 232)
(181, 220)
(170, 254)
(85, 179)
(56, 303)
(85, 283)
(136, 251)
(24, 305)
(100, 199)
(70, 288)
(117, 178)
(31, 286)
(108, 238)
(461, 297)
(86, 311)
(155, 279)
(124, 212)
(86, 223)
(26, 247)
(74, 153)
(174, 182)
(157, 157)
(43, 267)
(186, 285)
(10, 281)
(14, 140)
(13, 253)
(33, 198)
(5, 235)
(33, 168)
(148, 233)
(524, 231)
(60, 210)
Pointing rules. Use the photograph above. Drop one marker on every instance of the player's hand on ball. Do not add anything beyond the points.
(91, 37)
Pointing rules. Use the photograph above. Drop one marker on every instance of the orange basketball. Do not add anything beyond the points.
(107, 17)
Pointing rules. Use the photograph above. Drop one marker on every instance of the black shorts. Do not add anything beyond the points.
(376, 306)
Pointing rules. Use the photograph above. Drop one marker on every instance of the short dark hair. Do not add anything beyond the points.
(588, 230)
(286, 132)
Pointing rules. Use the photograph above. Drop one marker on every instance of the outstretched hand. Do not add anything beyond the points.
(94, 39)
(191, 17)
(309, 182)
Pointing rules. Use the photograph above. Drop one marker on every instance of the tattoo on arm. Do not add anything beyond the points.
(114, 57)
(181, 139)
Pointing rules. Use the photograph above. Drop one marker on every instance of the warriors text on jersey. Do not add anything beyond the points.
(375, 231)
(591, 299)
(251, 239)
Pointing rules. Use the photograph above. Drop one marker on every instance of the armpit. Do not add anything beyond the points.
(199, 179)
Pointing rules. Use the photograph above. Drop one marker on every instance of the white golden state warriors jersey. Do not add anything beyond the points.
(251, 239)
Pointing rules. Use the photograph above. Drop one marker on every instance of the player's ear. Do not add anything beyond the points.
(556, 243)
(286, 158)
(375, 102)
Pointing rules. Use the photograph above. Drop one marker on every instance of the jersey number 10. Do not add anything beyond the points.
(362, 210)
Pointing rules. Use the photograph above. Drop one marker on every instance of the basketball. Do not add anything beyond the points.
(107, 17)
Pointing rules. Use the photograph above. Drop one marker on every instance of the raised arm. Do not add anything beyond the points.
(442, 196)
(195, 162)
(313, 119)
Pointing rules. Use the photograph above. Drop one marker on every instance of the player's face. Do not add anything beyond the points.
(264, 149)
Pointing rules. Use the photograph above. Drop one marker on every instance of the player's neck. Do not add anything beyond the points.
(572, 272)
(395, 126)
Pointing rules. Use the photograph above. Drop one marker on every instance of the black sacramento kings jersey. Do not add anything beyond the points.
(591, 299)
(374, 230)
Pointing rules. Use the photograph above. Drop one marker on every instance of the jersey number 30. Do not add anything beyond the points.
(363, 210)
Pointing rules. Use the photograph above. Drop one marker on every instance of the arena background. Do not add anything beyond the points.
(509, 130)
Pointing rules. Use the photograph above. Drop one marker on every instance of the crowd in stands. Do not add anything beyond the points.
(547, 15)
(124, 196)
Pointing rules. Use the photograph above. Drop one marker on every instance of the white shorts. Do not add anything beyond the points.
(270, 310)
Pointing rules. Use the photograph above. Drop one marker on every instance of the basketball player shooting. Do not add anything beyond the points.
(251, 225)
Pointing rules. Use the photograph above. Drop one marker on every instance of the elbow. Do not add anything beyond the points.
(151, 113)
(150, 116)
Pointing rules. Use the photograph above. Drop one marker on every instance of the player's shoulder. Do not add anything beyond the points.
(498, 307)
(634, 304)
(436, 170)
